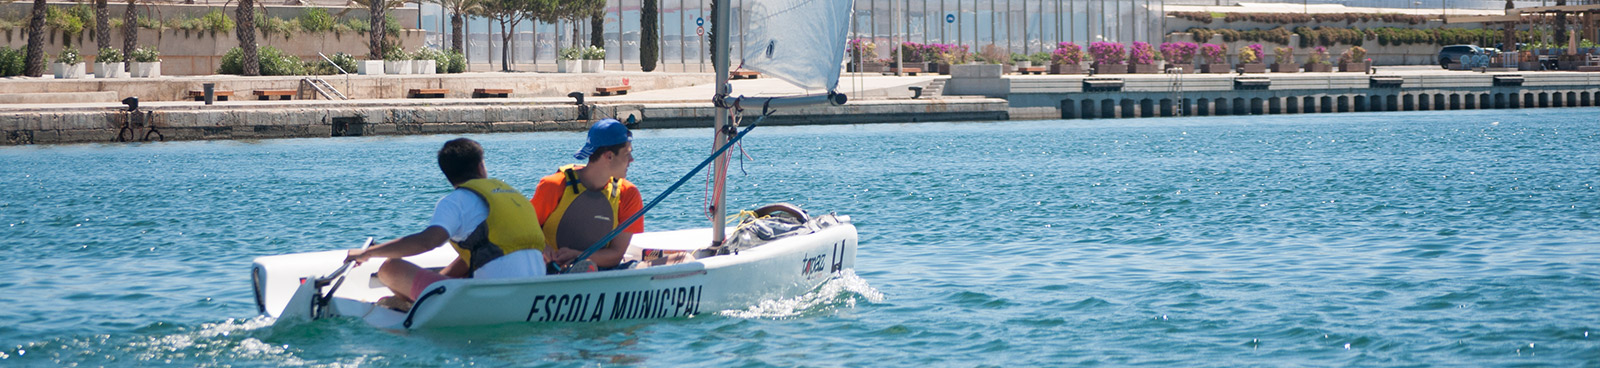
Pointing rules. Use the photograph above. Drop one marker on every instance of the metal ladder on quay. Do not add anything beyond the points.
(320, 87)
(1177, 91)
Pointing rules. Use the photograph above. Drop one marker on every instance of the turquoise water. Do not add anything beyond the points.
(1467, 238)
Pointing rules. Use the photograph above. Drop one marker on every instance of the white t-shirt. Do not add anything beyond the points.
(459, 213)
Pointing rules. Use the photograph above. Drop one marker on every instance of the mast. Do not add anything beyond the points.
(719, 42)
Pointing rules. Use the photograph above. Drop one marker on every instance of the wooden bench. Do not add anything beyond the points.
(743, 74)
(282, 94)
(607, 91)
(426, 93)
(907, 71)
(491, 92)
(201, 95)
(1035, 70)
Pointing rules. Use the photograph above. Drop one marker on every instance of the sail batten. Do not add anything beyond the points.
(798, 41)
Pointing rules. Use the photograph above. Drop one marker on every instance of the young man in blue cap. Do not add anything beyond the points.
(580, 204)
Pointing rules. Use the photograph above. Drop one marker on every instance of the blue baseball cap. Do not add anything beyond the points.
(606, 132)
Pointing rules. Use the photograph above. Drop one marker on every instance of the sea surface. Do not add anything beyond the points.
(1443, 239)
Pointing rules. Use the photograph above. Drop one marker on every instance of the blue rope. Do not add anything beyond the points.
(636, 216)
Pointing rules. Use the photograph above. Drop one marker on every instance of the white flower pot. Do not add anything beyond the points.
(73, 71)
(108, 70)
(369, 67)
(55, 70)
(147, 70)
(593, 66)
(424, 67)
(1024, 64)
(568, 66)
(397, 67)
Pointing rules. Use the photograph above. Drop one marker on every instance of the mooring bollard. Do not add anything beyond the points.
(210, 92)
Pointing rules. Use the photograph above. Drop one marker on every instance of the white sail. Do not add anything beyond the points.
(799, 41)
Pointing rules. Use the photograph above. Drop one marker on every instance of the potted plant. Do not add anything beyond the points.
(396, 61)
(567, 60)
(1317, 61)
(1179, 55)
(594, 59)
(108, 64)
(1250, 59)
(943, 55)
(423, 61)
(1067, 59)
(864, 57)
(1284, 60)
(1216, 60)
(1108, 58)
(1020, 61)
(69, 65)
(1143, 56)
(146, 62)
(1353, 60)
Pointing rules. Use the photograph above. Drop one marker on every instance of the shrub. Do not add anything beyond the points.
(1107, 53)
(1181, 53)
(11, 62)
(274, 25)
(1284, 55)
(594, 53)
(1039, 58)
(273, 62)
(458, 62)
(1319, 55)
(66, 21)
(1251, 54)
(1215, 54)
(68, 56)
(322, 67)
(216, 21)
(1142, 53)
(396, 54)
(1355, 54)
(863, 50)
(108, 55)
(147, 54)
(570, 53)
(909, 52)
(1067, 53)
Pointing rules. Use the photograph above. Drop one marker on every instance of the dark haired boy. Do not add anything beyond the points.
(492, 227)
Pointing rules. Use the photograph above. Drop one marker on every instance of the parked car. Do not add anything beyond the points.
(1453, 54)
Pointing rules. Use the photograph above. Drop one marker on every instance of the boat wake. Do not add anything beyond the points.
(843, 291)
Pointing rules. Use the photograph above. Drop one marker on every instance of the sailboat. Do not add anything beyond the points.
(799, 41)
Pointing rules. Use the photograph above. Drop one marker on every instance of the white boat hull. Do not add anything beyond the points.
(783, 268)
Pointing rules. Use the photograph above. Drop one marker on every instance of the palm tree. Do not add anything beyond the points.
(458, 10)
(35, 58)
(377, 37)
(102, 25)
(130, 35)
(245, 29)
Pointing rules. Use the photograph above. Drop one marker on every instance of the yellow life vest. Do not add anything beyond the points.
(512, 225)
(570, 193)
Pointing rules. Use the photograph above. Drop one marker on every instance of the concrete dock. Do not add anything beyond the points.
(677, 101)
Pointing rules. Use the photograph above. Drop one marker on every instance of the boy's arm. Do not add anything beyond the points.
(406, 246)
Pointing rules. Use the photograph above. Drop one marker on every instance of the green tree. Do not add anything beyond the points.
(649, 35)
(458, 11)
(508, 13)
(574, 10)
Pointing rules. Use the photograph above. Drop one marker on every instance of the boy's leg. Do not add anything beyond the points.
(406, 279)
